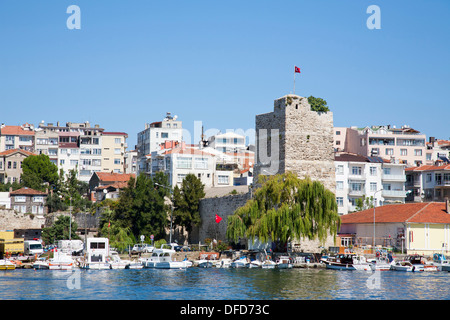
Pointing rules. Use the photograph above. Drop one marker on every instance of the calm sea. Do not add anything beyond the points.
(222, 284)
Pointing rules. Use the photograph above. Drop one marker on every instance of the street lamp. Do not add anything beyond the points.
(171, 213)
(374, 204)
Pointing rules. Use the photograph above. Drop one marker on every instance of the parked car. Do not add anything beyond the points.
(142, 248)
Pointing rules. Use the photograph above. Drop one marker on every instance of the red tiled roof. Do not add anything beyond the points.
(424, 212)
(117, 185)
(114, 177)
(428, 168)
(16, 131)
(27, 191)
(115, 133)
(11, 151)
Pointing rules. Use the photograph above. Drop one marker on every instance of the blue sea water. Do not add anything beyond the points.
(222, 284)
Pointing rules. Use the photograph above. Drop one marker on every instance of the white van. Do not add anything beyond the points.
(32, 247)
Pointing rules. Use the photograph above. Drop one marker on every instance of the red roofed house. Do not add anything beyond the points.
(11, 164)
(104, 182)
(428, 183)
(422, 228)
(17, 137)
(27, 200)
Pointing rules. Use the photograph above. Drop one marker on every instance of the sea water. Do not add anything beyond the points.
(222, 284)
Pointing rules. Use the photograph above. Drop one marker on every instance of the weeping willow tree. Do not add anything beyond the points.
(286, 208)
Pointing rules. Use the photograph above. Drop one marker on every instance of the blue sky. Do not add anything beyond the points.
(223, 62)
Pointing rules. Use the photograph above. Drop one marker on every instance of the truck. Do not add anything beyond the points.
(32, 247)
(74, 247)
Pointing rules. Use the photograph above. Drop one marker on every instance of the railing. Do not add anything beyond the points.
(394, 193)
(393, 177)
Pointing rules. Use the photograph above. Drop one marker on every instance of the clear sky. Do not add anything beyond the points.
(223, 62)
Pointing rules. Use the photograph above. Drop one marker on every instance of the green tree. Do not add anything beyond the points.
(187, 202)
(364, 203)
(38, 172)
(318, 104)
(141, 208)
(286, 208)
(60, 230)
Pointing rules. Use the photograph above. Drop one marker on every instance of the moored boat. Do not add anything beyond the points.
(41, 264)
(342, 261)
(404, 266)
(60, 261)
(284, 262)
(162, 259)
(420, 264)
(5, 264)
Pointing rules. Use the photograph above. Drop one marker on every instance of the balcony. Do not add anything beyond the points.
(394, 193)
(394, 177)
(356, 193)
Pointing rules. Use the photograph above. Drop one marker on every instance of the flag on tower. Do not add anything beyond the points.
(218, 219)
(297, 70)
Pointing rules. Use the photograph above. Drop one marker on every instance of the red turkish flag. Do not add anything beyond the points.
(297, 70)
(218, 219)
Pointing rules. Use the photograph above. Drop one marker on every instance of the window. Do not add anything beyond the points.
(338, 133)
(417, 152)
(355, 186)
(164, 135)
(201, 163)
(373, 186)
(117, 151)
(428, 177)
(387, 171)
(73, 162)
(338, 143)
(38, 199)
(389, 151)
(116, 161)
(356, 171)
(180, 177)
(61, 162)
(373, 171)
(340, 169)
(340, 201)
(403, 152)
(117, 140)
(428, 156)
(339, 185)
(184, 163)
(20, 198)
(223, 179)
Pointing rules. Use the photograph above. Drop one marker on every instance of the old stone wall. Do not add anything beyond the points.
(222, 206)
(11, 219)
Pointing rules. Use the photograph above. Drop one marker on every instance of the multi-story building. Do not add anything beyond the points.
(27, 200)
(178, 161)
(11, 165)
(227, 142)
(429, 182)
(404, 144)
(437, 150)
(359, 177)
(154, 134)
(17, 137)
(114, 146)
(130, 162)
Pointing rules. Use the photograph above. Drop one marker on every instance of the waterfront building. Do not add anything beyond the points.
(422, 228)
(154, 134)
(360, 177)
(17, 137)
(404, 144)
(11, 165)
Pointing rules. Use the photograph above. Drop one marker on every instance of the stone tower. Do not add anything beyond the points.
(295, 138)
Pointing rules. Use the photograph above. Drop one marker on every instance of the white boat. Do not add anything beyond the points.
(162, 259)
(239, 263)
(204, 263)
(361, 264)
(115, 262)
(134, 265)
(420, 263)
(254, 264)
(223, 263)
(60, 261)
(268, 264)
(97, 251)
(382, 263)
(284, 262)
(445, 267)
(403, 266)
(5, 264)
(40, 264)
(441, 262)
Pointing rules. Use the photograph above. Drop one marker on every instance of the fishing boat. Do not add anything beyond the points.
(5, 264)
(240, 262)
(40, 264)
(440, 261)
(403, 265)
(162, 259)
(60, 261)
(342, 261)
(284, 262)
(420, 263)
(96, 254)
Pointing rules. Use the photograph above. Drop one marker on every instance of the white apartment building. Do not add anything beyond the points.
(154, 134)
(130, 162)
(437, 150)
(360, 176)
(227, 142)
(180, 161)
(388, 142)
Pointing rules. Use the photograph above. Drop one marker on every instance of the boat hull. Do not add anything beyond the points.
(445, 267)
(339, 266)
